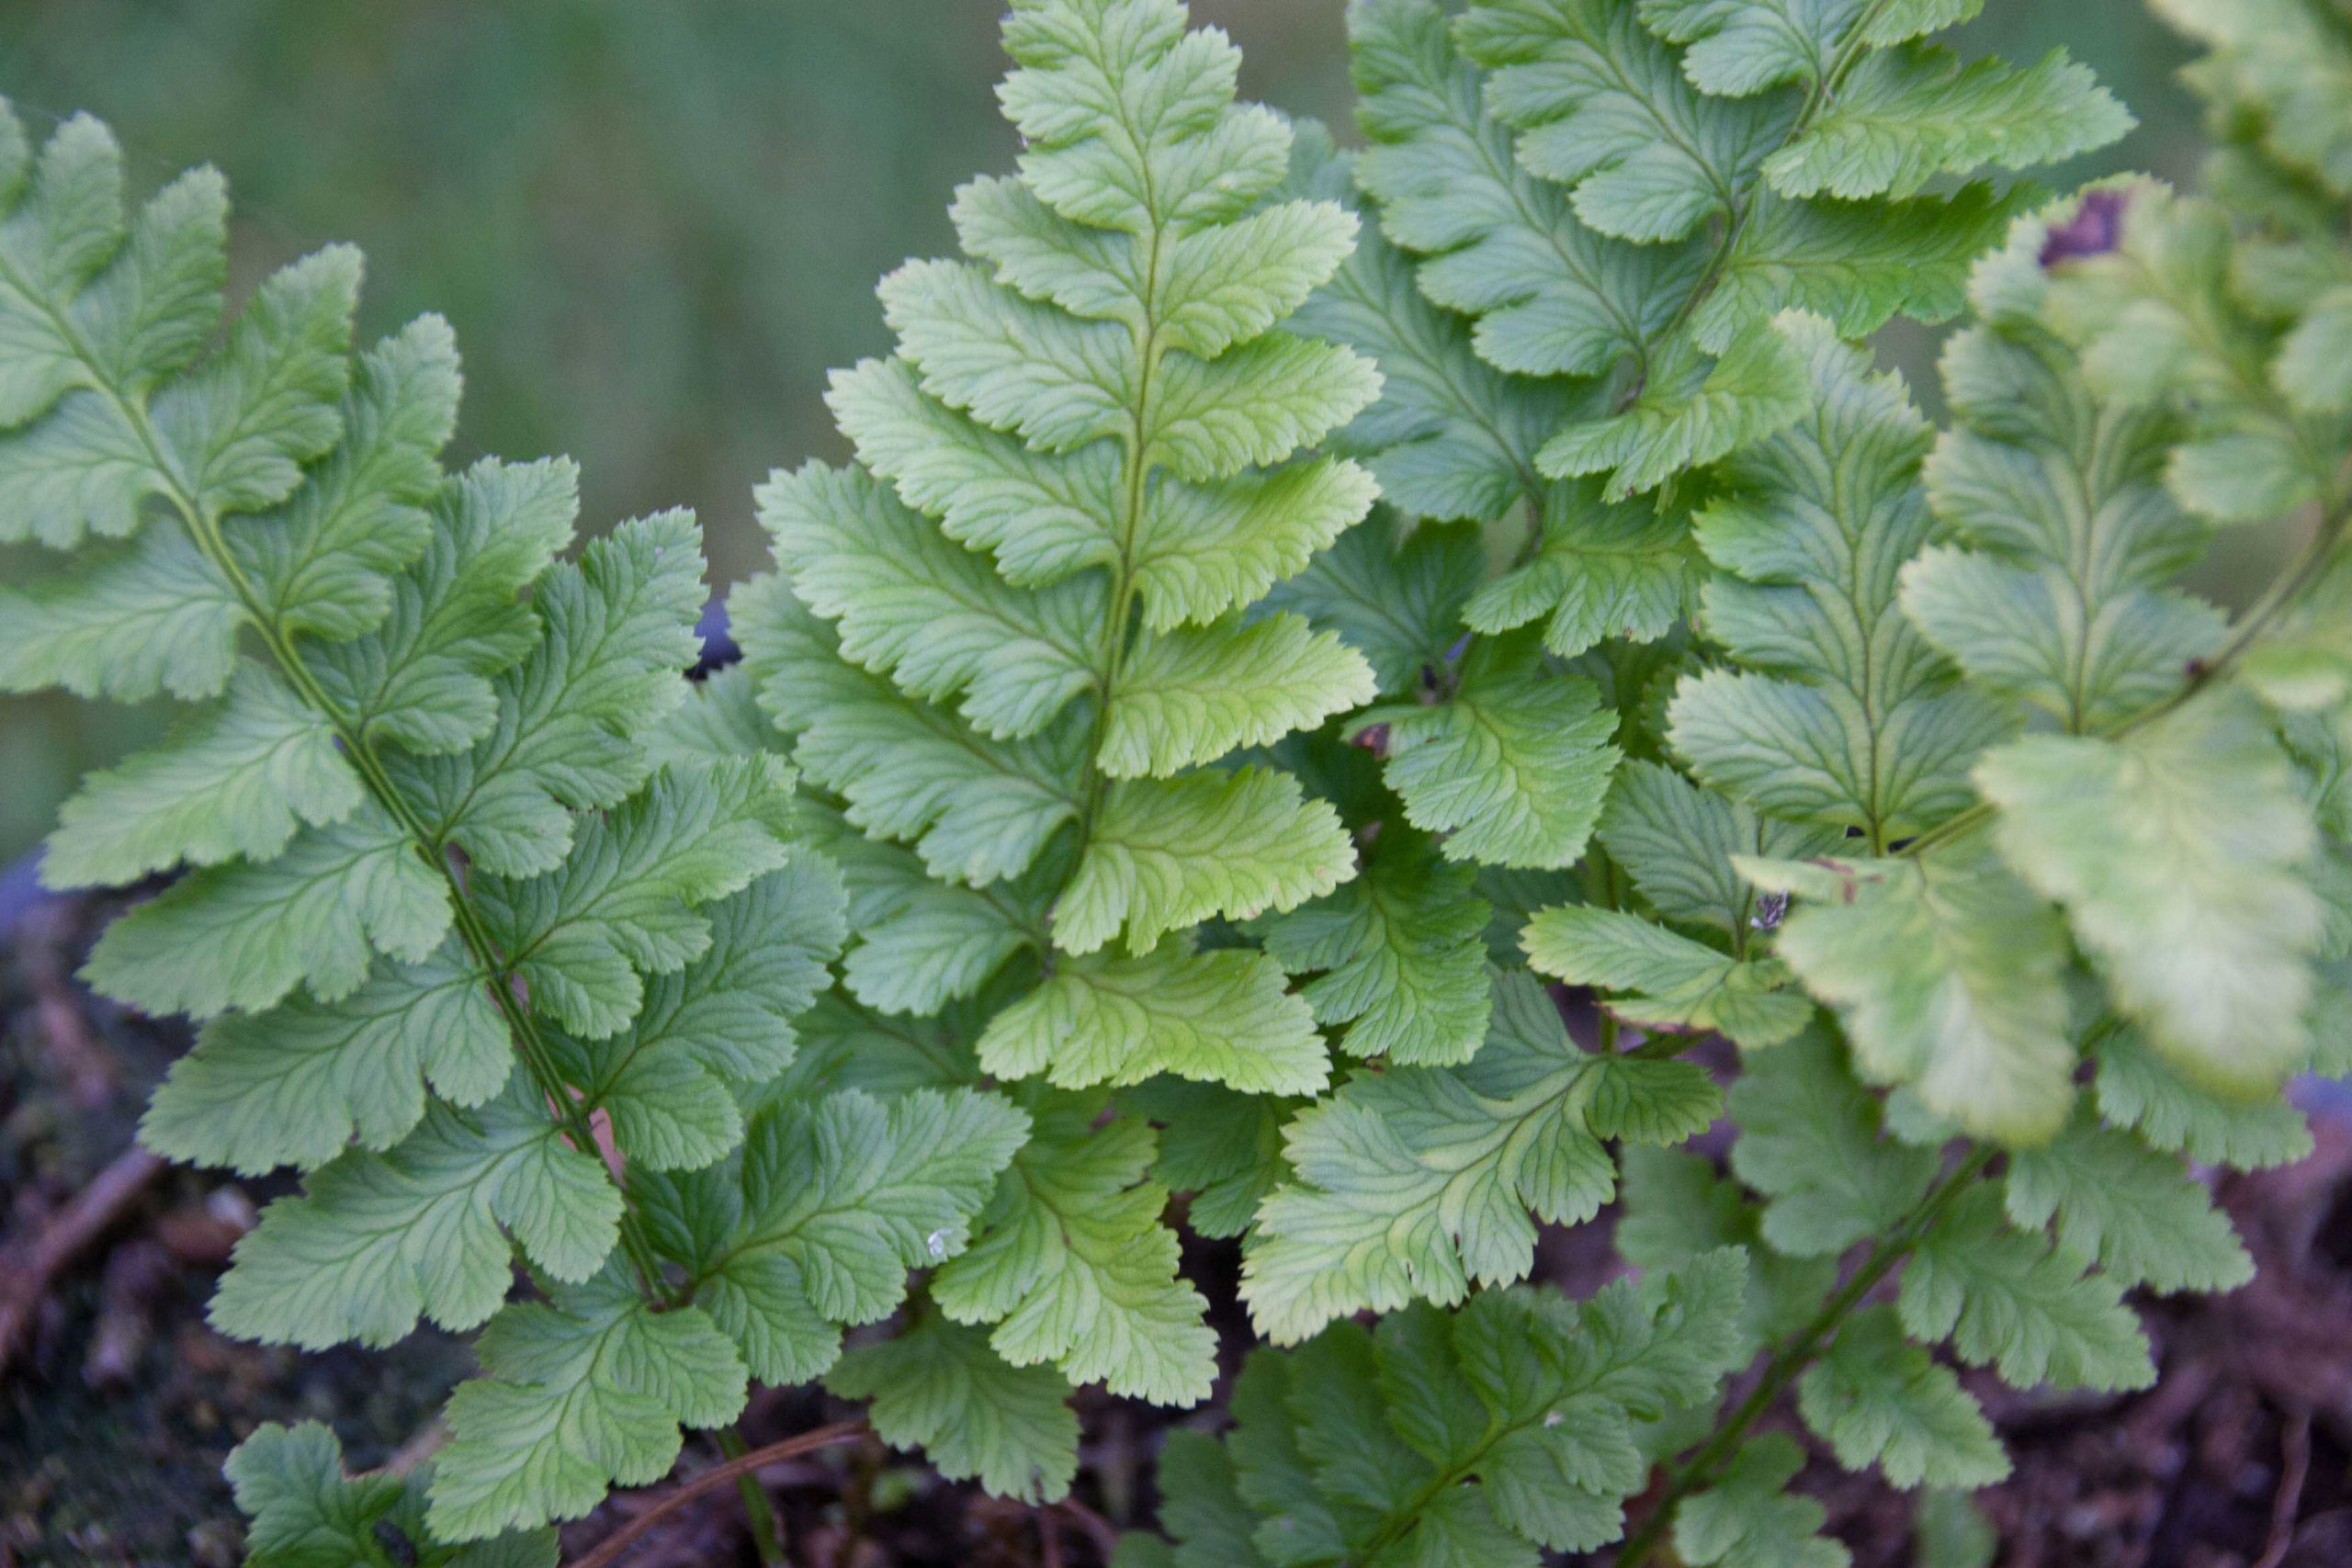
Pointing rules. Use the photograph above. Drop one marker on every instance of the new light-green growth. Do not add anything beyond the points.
(1358, 702)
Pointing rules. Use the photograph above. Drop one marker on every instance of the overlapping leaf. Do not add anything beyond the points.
(1484, 1435)
(1412, 1183)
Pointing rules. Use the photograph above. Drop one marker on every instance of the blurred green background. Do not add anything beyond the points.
(656, 223)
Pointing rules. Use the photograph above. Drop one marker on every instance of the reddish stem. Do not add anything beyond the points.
(614, 1546)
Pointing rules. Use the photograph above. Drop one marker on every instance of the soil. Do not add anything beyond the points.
(120, 1403)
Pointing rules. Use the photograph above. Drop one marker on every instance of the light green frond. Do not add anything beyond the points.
(617, 627)
(2174, 851)
(669, 1080)
(1732, 47)
(625, 905)
(911, 604)
(1691, 410)
(1748, 128)
(1861, 264)
(1202, 549)
(938, 1386)
(1170, 853)
(975, 811)
(2062, 597)
(921, 945)
(411, 813)
(1189, 697)
(102, 316)
(1909, 114)
(242, 425)
(82, 285)
(1675, 1205)
(1949, 974)
(1627, 570)
(1395, 954)
(422, 679)
(323, 562)
(245, 933)
(1075, 1267)
(377, 1240)
(1042, 516)
(579, 1393)
(1843, 715)
(1221, 1017)
(2157, 323)
(2315, 364)
(299, 1084)
(1128, 118)
(155, 614)
(127, 622)
(1512, 767)
(1414, 1182)
(2284, 66)
(238, 778)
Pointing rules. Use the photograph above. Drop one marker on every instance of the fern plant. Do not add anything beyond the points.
(477, 931)
(1919, 734)
(1297, 627)
(1020, 652)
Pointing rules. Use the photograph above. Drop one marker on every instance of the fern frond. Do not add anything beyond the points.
(1554, 175)
(306, 1511)
(1395, 956)
(1414, 1182)
(2007, 1299)
(1880, 1400)
(939, 1387)
(2158, 321)
(579, 1393)
(2274, 77)
(1665, 981)
(2208, 939)
(814, 1226)
(1075, 1267)
(420, 824)
(1487, 1434)
(1749, 1519)
(1841, 714)
(1810, 1141)
(1022, 641)
(2060, 598)
(1511, 768)
(2141, 1214)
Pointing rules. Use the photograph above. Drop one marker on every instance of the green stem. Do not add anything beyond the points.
(759, 1509)
(1796, 1354)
